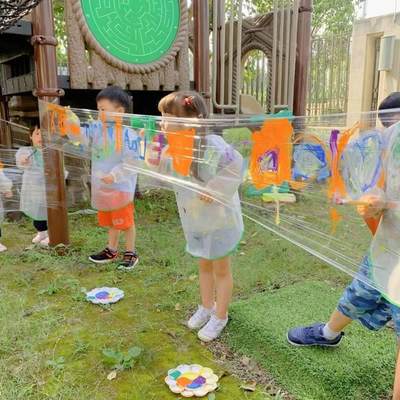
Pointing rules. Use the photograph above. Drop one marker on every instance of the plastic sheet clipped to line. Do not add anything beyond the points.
(309, 180)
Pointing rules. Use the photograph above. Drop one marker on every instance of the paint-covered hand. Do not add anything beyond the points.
(205, 198)
(25, 161)
(108, 179)
(372, 206)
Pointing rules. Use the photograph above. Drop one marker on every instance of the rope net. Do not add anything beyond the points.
(12, 11)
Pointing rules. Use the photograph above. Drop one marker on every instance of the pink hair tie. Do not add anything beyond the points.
(188, 101)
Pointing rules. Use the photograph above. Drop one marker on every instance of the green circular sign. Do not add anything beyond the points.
(133, 31)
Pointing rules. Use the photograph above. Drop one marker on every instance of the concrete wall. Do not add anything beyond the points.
(365, 32)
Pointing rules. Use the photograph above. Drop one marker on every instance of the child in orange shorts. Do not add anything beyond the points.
(113, 188)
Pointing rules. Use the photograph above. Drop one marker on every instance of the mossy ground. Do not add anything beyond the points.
(43, 316)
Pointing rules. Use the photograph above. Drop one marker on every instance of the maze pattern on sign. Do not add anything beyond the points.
(134, 31)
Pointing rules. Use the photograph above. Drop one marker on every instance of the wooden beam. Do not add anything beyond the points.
(44, 44)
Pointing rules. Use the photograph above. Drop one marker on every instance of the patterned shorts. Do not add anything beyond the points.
(363, 303)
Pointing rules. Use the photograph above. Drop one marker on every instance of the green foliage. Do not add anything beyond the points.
(333, 17)
(51, 289)
(328, 16)
(60, 31)
(81, 348)
(121, 361)
(56, 364)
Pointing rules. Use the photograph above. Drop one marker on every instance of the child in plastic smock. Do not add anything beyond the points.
(113, 187)
(33, 201)
(6, 191)
(208, 203)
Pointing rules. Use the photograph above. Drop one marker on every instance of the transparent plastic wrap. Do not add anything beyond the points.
(23, 183)
(310, 180)
(5, 191)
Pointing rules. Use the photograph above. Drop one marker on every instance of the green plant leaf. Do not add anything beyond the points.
(128, 363)
(135, 352)
(113, 357)
(56, 364)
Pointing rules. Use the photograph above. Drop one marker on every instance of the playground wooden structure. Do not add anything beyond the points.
(96, 60)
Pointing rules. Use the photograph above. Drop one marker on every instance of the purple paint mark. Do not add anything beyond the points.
(198, 382)
(269, 161)
(229, 154)
(366, 149)
(333, 141)
(102, 295)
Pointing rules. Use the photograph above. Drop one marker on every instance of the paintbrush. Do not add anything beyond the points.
(387, 204)
(32, 154)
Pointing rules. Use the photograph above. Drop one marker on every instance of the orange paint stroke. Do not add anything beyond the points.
(183, 381)
(271, 155)
(373, 224)
(335, 218)
(58, 116)
(118, 134)
(62, 120)
(337, 186)
(180, 148)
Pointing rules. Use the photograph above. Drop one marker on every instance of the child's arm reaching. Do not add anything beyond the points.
(371, 207)
(84, 134)
(24, 156)
(133, 157)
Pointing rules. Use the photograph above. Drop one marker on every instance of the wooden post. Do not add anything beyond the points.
(302, 57)
(201, 48)
(5, 130)
(45, 44)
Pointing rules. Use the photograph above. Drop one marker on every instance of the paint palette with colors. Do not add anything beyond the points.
(104, 295)
(191, 380)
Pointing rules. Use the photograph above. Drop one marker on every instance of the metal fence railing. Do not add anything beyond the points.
(329, 74)
(286, 15)
(256, 77)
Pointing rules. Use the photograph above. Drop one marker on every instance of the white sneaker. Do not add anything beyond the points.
(213, 329)
(2, 248)
(39, 237)
(199, 318)
(45, 242)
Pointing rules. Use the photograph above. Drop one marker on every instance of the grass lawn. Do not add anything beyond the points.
(51, 340)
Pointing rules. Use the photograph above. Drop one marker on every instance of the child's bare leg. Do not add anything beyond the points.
(113, 239)
(223, 285)
(130, 238)
(206, 277)
(338, 321)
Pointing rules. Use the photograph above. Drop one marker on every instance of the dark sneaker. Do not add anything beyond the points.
(129, 261)
(138, 196)
(311, 336)
(104, 257)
